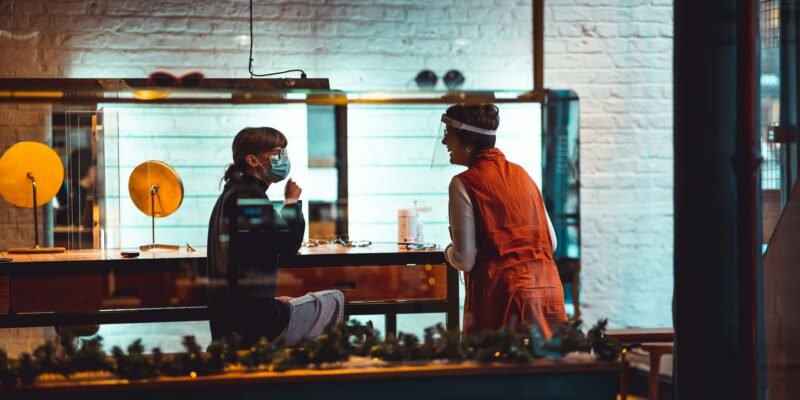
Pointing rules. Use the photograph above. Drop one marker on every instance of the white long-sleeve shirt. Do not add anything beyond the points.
(462, 251)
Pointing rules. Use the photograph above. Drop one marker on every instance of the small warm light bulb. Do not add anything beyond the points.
(193, 374)
(497, 354)
(243, 40)
(432, 281)
(145, 94)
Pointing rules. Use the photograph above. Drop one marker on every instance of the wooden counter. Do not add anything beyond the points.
(637, 336)
(540, 379)
(101, 286)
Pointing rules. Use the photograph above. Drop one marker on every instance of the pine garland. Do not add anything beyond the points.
(8, 374)
(135, 365)
(338, 343)
(90, 356)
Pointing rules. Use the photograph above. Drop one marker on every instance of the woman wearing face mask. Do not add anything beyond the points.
(502, 237)
(259, 160)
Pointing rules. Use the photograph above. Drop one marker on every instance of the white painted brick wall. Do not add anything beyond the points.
(617, 55)
(16, 341)
(359, 44)
(19, 122)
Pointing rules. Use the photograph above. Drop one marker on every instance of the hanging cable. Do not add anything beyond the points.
(250, 64)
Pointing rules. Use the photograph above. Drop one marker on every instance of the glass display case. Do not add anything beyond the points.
(359, 156)
(388, 165)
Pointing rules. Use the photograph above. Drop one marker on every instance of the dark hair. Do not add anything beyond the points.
(80, 160)
(252, 141)
(485, 116)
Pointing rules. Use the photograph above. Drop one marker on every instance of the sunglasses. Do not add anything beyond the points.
(167, 79)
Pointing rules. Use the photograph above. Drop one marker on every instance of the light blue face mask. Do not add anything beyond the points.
(280, 166)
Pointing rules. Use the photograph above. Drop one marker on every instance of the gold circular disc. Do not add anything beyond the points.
(169, 188)
(39, 160)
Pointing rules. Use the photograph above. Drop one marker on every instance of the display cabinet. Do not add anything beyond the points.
(360, 156)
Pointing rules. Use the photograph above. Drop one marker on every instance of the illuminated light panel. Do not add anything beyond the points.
(295, 96)
(28, 94)
(150, 94)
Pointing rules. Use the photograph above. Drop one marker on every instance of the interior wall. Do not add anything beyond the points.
(617, 55)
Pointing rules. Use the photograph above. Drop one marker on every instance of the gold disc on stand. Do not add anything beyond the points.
(31, 173)
(157, 191)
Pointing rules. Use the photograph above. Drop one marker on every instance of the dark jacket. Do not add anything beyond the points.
(244, 245)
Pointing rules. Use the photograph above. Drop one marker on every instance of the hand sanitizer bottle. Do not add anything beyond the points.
(406, 226)
(420, 210)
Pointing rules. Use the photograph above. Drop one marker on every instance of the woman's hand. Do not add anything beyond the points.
(292, 192)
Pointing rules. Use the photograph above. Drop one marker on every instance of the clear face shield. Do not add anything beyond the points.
(441, 156)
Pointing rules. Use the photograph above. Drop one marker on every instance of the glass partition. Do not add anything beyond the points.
(360, 156)
(771, 146)
(75, 203)
(196, 142)
(390, 149)
(108, 231)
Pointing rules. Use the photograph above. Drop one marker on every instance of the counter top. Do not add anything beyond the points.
(311, 376)
(94, 260)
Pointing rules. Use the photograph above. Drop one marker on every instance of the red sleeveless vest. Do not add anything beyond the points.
(514, 280)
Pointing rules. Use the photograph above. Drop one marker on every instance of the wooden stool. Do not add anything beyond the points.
(656, 350)
(631, 338)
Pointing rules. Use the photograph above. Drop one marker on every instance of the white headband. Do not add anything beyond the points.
(467, 127)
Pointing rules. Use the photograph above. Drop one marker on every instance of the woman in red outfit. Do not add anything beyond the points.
(502, 236)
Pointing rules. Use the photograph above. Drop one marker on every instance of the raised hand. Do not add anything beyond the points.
(292, 192)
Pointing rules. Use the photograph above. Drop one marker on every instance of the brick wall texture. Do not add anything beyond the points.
(21, 122)
(616, 54)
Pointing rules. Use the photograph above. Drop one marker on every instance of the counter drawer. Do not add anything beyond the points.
(368, 283)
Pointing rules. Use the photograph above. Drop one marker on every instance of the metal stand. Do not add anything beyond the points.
(153, 244)
(36, 249)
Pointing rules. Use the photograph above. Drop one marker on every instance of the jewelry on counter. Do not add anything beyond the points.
(340, 240)
(357, 243)
(315, 243)
(422, 246)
